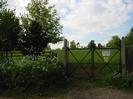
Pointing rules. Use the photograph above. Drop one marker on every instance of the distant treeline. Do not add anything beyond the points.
(113, 43)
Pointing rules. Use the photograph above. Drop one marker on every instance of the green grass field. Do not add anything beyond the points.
(84, 56)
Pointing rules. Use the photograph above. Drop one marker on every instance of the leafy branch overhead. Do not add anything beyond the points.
(3, 3)
(46, 15)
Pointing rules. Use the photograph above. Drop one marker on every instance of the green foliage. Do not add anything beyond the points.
(91, 44)
(123, 82)
(100, 45)
(27, 74)
(33, 40)
(46, 15)
(9, 30)
(114, 42)
(3, 3)
(129, 38)
(73, 45)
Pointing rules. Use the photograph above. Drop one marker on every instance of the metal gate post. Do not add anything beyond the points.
(66, 56)
(120, 66)
(92, 59)
(123, 56)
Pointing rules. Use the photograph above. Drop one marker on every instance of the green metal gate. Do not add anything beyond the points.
(91, 62)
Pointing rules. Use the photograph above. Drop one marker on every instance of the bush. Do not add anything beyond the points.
(26, 74)
(123, 82)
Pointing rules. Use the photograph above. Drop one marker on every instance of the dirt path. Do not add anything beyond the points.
(94, 93)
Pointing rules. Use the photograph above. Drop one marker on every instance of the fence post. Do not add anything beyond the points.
(92, 47)
(123, 56)
(66, 56)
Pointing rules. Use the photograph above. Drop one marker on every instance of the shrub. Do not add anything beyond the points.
(26, 74)
(123, 82)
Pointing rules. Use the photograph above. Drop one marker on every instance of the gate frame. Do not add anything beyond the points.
(122, 66)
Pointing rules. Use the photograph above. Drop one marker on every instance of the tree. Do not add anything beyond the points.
(100, 45)
(78, 45)
(91, 44)
(114, 42)
(3, 3)
(129, 38)
(46, 15)
(9, 30)
(72, 45)
(33, 40)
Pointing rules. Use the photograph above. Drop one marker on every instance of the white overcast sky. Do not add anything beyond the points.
(85, 20)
